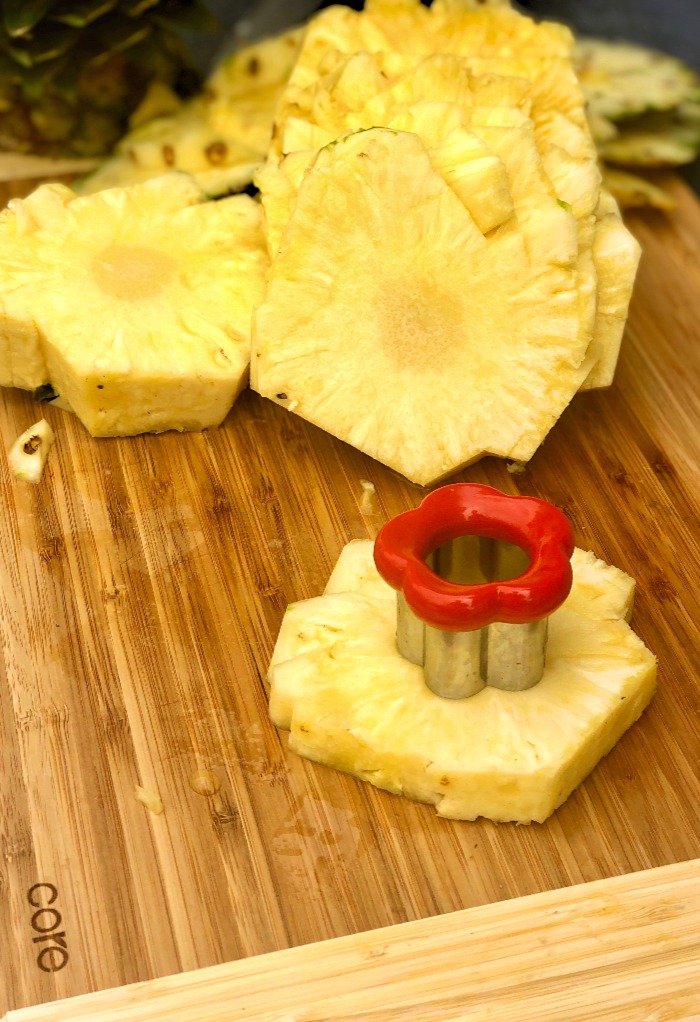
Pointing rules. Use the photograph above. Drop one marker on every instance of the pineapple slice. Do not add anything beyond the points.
(140, 300)
(560, 127)
(467, 89)
(22, 357)
(631, 190)
(199, 140)
(656, 140)
(616, 254)
(352, 702)
(439, 99)
(407, 26)
(392, 322)
(257, 66)
(643, 108)
(355, 571)
(279, 185)
(447, 78)
(568, 168)
(475, 174)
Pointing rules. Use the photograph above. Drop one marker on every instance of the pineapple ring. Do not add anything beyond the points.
(352, 702)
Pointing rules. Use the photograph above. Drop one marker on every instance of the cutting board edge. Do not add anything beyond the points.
(658, 902)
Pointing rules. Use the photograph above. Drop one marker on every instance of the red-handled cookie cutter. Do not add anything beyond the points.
(477, 573)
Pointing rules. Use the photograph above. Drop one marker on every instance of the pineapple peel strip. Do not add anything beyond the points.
(352, 702)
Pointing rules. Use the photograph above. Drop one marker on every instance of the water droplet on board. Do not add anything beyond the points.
(204, 782)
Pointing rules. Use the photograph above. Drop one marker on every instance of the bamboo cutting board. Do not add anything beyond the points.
(616, 950)
(144, 582)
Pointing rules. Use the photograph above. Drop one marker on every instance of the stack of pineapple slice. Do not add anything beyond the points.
(643, 110)
(132, 306)
(446, 270)
(351, 701)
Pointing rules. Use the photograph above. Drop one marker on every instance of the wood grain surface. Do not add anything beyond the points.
(615, 950)
(144, 581)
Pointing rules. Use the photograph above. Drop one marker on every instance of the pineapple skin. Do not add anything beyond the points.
(352, 702)
(73, 73)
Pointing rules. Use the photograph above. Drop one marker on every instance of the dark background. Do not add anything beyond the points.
(670, 25)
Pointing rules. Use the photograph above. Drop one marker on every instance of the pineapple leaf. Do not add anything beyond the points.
(118, 33)
(82, 13)
(52, 42)
(135, 8)
(186, 14)
(20, 16)
(35, 79)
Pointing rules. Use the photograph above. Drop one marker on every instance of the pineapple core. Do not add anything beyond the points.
(418, 325)
(132, 273)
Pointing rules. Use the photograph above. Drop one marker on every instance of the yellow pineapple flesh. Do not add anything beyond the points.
(139, 300)
(616, 253)
(22, 356)
(352, 702)
(357, 70)
(391, 321)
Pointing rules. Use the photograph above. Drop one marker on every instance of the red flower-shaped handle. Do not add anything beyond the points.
(471, 509)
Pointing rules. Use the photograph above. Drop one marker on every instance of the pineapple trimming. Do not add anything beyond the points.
(643, 107)
(72, 71)
(221, 135)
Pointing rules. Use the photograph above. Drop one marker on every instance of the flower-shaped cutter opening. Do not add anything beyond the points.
(469, 634)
